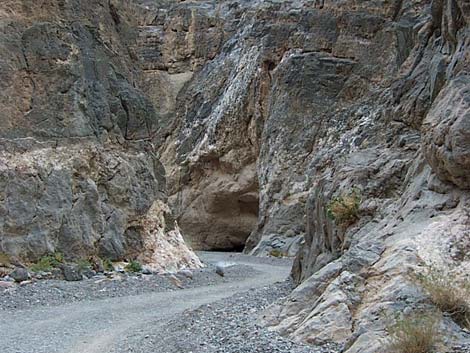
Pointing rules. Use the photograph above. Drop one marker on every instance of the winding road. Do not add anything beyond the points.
(98, 326)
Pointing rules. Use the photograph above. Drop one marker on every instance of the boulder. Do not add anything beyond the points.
(20, 274)
(72, 273)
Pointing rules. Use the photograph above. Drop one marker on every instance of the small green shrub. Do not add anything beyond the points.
(447, 293)
(415, 334)
(344, 209)
(108, 265)
(42, 265)
(276, 253)
(48, 262)
(133, 266)
(84, 264)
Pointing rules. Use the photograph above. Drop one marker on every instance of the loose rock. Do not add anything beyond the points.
(20, 274)
(72, 273)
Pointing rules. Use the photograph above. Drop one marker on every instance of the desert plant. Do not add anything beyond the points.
(4, 259)
(108, 265)
(133, 266)
(344, 209)
(42, 265)
(84, 264)
(417, 333)
(48, 262)
(57, 259)
(276, 253)
(447, 293)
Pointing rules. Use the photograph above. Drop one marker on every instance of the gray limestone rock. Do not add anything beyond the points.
(72, 273)
(79, 173)
(299, 105)
(20, 274)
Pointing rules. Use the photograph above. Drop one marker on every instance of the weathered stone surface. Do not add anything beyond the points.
(78, 171)
(263, 113)
(228, 139)
(408, 156)
(72, 273)
(20, 274)
(447, 133)
(318, 99)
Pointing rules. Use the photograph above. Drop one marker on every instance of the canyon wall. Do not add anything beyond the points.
(78, 170)
(283, 109)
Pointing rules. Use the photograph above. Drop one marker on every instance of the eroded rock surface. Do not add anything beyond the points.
(78, 171)
(300, 103)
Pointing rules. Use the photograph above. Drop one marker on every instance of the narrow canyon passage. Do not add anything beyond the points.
(334, 134)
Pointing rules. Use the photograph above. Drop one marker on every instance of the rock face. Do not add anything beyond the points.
(78, 170)
(403, 144)
(282, 112)
(214, 188)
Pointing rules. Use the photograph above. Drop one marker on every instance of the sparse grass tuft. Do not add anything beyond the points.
(108, 265)
(447, 293)
(48, 262)
(344, 209)
(133, 266)
(84, 264)
(4, 261)
(415, 334)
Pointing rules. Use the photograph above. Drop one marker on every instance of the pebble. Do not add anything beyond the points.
(175, 280)
(186, 273)
(146, 271)
(72, 273)
(219, 269)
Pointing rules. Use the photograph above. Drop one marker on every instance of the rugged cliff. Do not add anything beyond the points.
(78, 171)
(285, 111)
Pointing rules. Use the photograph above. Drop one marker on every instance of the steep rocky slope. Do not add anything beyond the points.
(78, 172)
(407, 151)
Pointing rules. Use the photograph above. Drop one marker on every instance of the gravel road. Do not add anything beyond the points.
(122, 324)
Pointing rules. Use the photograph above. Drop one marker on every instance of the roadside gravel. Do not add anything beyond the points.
(52, 293)
(152, 314)
(226, 326)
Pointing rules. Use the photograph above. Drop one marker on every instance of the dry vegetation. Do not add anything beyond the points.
(344, 209)
(417, 333)
(277, 253)
(4, 259)
(447, 293)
